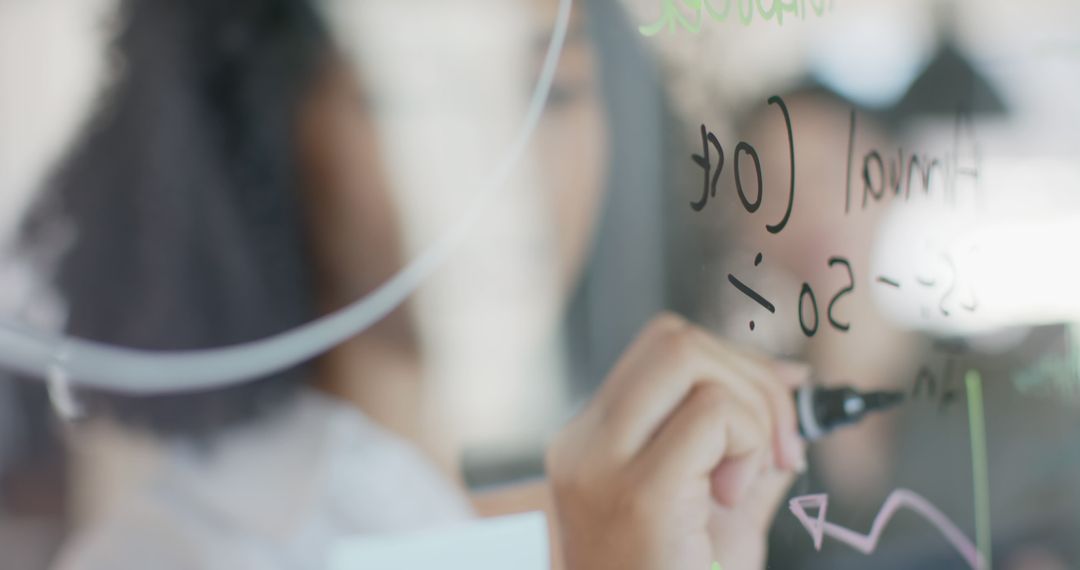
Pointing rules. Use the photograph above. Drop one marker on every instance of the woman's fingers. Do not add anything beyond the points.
(707, 427)
(662, 367)
(640, 411)
(731, 480)
(776, 381)
(685, 434)
(654, 376)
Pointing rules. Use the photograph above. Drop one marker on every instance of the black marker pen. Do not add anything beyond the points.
(821, 410)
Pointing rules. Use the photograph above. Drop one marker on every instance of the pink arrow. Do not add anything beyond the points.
(818, 527)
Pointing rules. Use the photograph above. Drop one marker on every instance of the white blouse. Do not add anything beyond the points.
(276, 495)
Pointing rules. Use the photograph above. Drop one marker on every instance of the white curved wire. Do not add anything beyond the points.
(134, 371)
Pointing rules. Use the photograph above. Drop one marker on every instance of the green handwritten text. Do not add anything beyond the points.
(689, 14)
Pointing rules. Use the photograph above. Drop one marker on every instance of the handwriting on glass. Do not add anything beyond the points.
(690, 14)
(710, 142)
(713, 166)
(939, 381)
(712, 162)
(945, 279)
(818, 527)
(885, 174)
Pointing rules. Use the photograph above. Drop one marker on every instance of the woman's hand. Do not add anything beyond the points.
(681, 458)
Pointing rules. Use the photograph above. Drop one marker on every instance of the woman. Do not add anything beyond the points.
(226, 192)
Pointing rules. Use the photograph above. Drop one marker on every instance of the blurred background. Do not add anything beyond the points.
(934, 222)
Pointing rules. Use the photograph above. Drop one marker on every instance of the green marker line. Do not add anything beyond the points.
(980, 466)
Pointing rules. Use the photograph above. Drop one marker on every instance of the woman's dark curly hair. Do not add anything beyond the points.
(182, 193)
